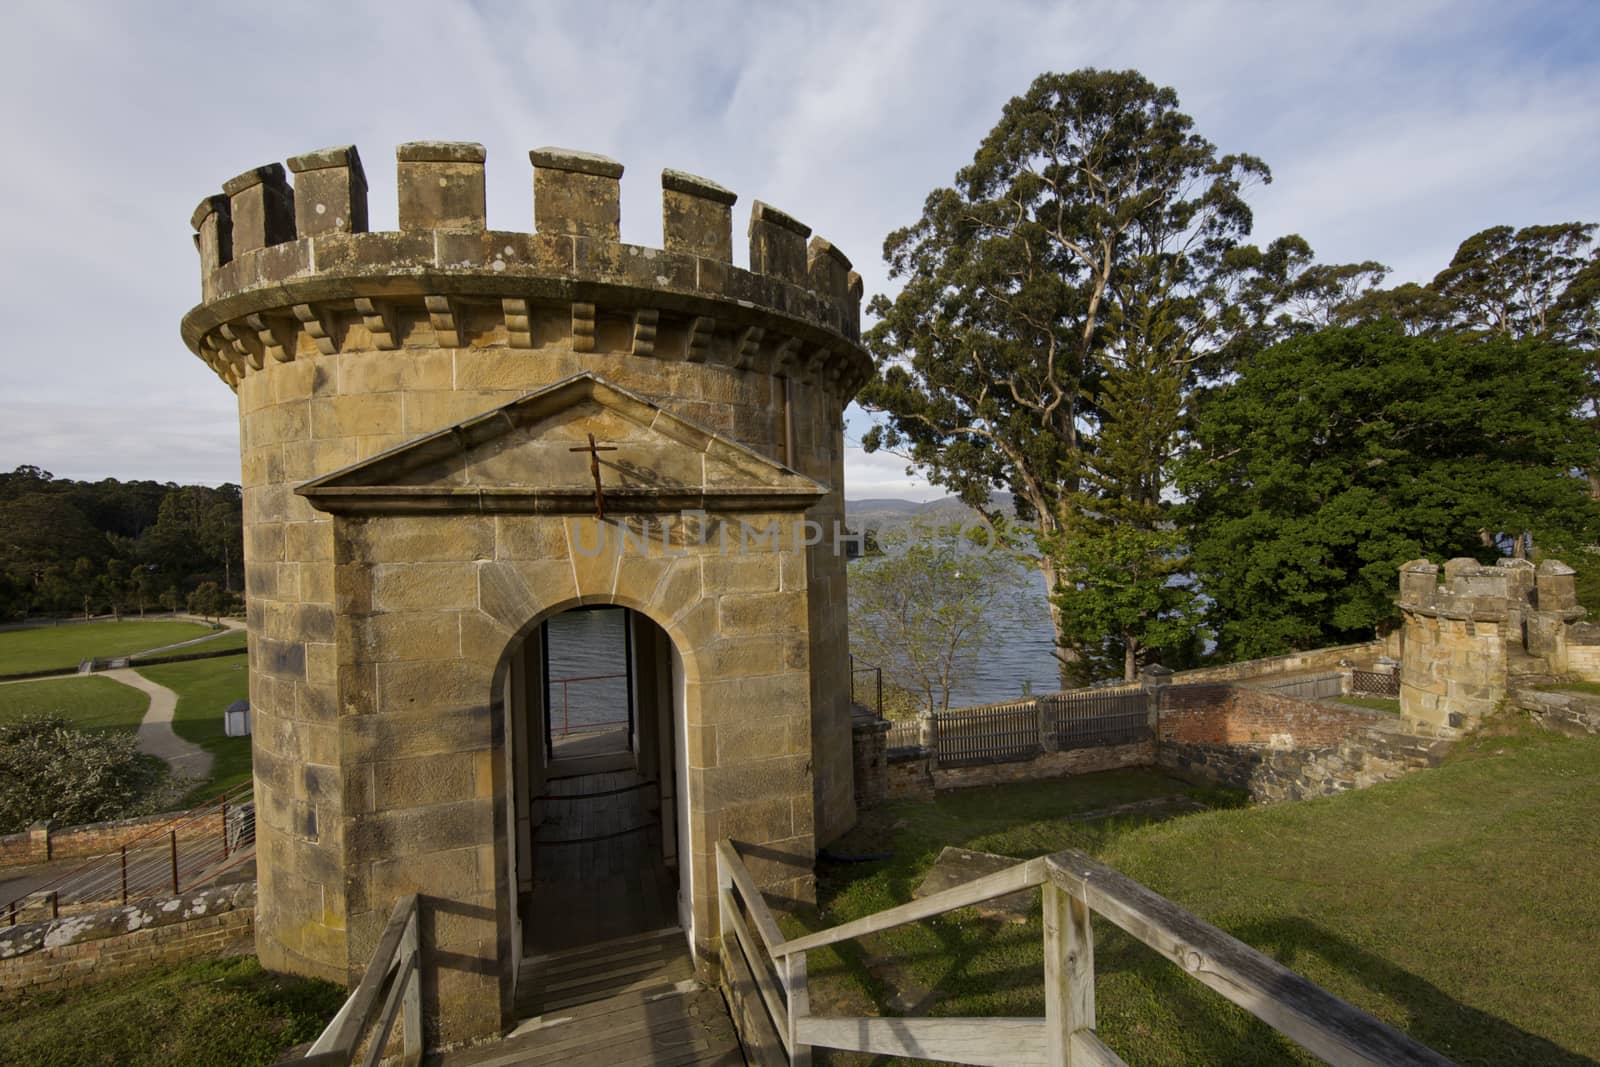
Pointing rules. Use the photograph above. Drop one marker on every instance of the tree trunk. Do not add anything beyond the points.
(1130, 659)
(1065, 657)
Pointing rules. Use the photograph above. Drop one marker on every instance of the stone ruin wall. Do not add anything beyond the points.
(342, 344)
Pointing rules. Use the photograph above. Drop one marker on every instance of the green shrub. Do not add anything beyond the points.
(48, 770)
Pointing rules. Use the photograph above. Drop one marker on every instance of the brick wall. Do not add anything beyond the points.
(908, 774)
(1240, 715)
(98, 838)
(1278, 747)
(84, 949)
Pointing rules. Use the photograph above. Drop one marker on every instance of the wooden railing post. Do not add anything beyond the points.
(411, 1005)
(794, 981)
(1068, 972)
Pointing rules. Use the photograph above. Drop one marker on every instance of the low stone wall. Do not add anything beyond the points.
(1574, 714)
(1278, 748)
(911, 773)
(1050, 765)
(92, 947)
(44, 842)
(908, 774)
(1316, 659)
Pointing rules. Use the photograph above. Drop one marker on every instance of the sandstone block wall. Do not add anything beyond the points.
(381, 605)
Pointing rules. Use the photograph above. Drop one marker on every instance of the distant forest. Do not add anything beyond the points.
(110, 547)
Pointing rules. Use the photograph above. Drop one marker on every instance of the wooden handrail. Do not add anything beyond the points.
(1317, 1020)
(398, 954)
(1075, 886)
(1011, 880)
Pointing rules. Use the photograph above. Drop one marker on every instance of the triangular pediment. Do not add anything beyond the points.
(531, 455)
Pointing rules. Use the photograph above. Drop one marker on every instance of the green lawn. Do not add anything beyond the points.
(65, 646)
(196, 1015)
(1457, 904)
(90, 703)
(205, 687)
(221, 643)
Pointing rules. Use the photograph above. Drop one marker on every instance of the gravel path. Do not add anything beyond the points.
(156, 736)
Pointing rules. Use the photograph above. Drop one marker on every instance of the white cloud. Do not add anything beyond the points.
(1394, 130)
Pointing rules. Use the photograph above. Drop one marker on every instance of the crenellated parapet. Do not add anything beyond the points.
(290, 269)
(1472, 592)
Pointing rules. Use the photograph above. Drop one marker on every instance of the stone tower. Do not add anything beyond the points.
(416, 412)
(1466, 639)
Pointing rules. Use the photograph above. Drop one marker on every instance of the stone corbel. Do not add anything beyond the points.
(378, 320)
(699, 338)
(644, 331)
(444, 320)
(318, 328)
(746, 345)
(236, 338)
(786, 357)
(519, 330)
(583, 327)
(273, 343)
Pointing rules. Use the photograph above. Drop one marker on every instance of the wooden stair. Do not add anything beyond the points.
(622, 1003)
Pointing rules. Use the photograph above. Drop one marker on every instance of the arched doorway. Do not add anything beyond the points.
(596, 730)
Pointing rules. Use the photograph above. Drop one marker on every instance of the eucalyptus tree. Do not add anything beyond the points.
(1537, 282)
(1061, 300)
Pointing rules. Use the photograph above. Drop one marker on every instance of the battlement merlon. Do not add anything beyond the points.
(277, 258)
(1470, 590)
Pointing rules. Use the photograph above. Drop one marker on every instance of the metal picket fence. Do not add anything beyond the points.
(1098, 717)
(997, 733)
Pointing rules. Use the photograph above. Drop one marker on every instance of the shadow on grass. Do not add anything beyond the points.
(1154, 1013)
(1465, 1034)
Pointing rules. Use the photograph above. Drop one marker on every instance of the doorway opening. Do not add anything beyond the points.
(597, 694)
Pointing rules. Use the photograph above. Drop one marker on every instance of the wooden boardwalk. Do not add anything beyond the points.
(598, 869)
(606, 977)
(631, 1001)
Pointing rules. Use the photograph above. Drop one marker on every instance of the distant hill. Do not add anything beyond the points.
(884, 512)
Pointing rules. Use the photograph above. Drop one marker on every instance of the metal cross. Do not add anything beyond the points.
(594, 451)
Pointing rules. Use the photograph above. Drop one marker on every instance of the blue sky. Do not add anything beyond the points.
(1393, 131)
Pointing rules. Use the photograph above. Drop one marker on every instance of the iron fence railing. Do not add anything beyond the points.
(868, 691)
(186, 852)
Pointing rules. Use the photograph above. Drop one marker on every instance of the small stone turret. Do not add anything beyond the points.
(412, 405)
(1463, 638)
